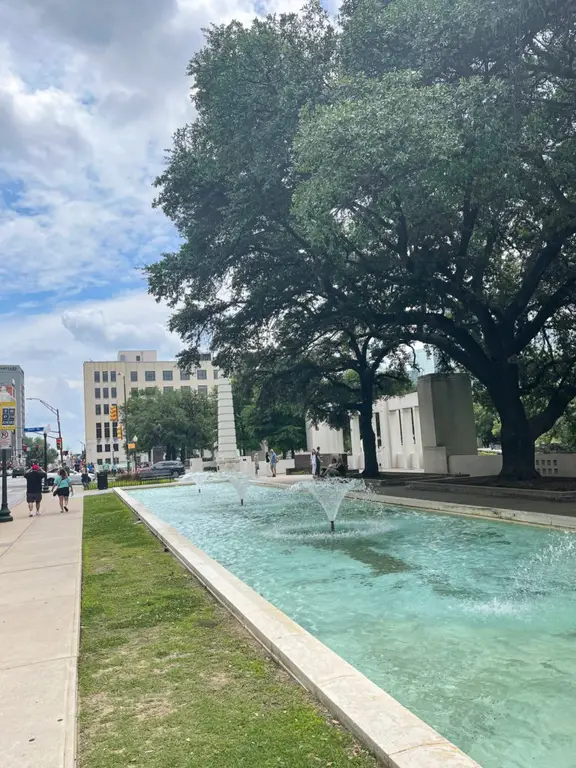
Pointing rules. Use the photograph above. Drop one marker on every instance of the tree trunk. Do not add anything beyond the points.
(518, 443)
(368, 437)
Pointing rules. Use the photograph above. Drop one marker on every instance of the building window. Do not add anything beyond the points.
(115, 431)
(97, 393)
(98, 449)
(107, 460)
(122, 358)
(216, 373)
(106, 409)
(133, 375)
(202, 389)
(205, 356)
(185, 389)
(105, 393)
(184, 375)
(116, 460)
(105, 376)
(150, 390)
(98, 430)
(97, 377)
(134, 390)
(98, 410)
(167, 375)
(149, 375)
(138, 358)
(168, 389)
(113, 393)
(107, 429)
(107, 447)
(99, 462)
(201, 374)
(113, 376)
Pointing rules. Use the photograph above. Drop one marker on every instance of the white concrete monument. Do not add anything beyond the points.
(228, 458)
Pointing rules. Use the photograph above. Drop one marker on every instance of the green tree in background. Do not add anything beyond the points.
(179, 421)
(35, 452)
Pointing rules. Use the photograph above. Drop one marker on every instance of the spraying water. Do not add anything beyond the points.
(199, 479)
(240, 481)
(330, 493)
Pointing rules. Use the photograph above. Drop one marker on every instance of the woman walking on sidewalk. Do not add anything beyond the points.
(63, 489)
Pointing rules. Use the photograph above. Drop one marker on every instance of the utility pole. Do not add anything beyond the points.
(56, 412)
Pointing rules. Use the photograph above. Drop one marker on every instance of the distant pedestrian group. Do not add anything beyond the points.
(316, 463)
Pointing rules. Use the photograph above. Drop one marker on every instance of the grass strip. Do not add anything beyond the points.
(168, 679)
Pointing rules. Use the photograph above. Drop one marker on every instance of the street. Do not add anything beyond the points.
(16, 490)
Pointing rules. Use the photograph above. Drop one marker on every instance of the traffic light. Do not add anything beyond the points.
(113, 413)
(59, 443)
(120, 432)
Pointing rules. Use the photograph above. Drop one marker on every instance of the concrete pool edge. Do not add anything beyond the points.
(523, 517)
(391, 732)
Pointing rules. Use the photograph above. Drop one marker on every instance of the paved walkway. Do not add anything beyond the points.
(40, 581)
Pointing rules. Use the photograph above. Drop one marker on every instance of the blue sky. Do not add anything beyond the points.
(90, 95)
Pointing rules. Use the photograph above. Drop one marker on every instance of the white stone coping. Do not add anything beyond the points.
(390, 731)
(560, 522)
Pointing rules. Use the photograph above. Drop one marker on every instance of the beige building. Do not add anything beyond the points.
(108, 383)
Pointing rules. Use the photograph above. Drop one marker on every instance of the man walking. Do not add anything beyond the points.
(273, 462)
(34, 479)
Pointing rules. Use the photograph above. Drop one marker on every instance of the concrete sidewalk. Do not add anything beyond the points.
(40, 582)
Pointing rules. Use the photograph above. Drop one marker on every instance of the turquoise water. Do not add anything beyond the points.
(470, 624)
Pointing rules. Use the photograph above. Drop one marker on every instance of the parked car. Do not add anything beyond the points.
(162, 469)
(18, 471)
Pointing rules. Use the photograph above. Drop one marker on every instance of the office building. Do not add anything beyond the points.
(107, 383)
(12, 377)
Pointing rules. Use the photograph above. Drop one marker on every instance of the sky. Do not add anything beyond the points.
(90, 95)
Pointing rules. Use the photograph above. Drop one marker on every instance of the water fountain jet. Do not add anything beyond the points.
(330, 493)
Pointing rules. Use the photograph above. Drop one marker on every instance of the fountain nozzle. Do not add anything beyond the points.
(332, 526)
(241, 502)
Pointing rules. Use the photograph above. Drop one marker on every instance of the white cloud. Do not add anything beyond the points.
(90, 94)
(52, 347)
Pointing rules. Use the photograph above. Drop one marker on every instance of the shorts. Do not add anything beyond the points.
(32, 498)
(63, 492)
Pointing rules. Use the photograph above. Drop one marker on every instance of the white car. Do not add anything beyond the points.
(75, 477)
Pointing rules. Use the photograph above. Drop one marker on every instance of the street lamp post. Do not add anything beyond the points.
(126, 433)
(5, 516)
(56, 412)
(135, 441)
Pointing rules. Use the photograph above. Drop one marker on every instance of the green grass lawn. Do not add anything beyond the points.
(168, 679)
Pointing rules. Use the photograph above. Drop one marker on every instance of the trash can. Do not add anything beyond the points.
(102, 481)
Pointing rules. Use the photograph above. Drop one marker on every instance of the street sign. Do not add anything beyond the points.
(5, 439)
(8, 416)
(131, 446)
(34, 429)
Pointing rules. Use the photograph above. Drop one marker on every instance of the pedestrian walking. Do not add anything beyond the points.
(273, 462)
(256, 460)
(86, 480)
(313, 462)
(318, 462)
(34, 479)
(63, 489)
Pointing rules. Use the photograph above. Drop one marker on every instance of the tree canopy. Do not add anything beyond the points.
(180, 422)
(410, 178)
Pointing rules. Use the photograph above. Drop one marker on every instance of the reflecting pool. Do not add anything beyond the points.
(470, 624)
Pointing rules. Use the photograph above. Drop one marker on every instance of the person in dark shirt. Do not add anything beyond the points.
(34, 479)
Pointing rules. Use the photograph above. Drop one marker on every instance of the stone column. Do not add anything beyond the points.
(227, 449)
(446, 419)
